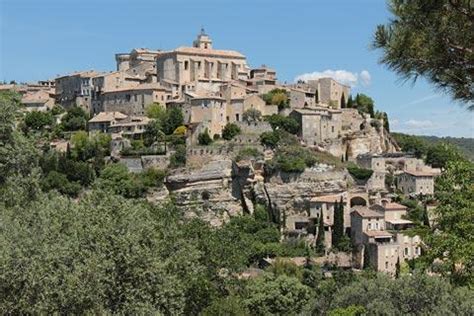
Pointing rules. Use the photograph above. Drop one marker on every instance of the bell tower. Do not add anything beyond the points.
(203, 40)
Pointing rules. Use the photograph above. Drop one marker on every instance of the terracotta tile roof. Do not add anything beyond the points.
(107, 117)
(208, 52)
(378, 233)
(421, 173)
(143, 86)
(394, 206)
(327, 198)
(363, 211)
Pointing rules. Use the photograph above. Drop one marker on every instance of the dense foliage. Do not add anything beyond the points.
(204, 138)
(230, 131)
(277, 97)
(440, 50)
(285, 123)
(359, 173)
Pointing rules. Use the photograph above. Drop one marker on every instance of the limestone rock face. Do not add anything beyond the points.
(211, 193)
(290, 193)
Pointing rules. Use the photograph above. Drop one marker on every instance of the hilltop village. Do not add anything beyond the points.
(229, 139)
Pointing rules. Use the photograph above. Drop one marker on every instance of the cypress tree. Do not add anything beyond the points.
(397, 268)
(367, 264)
(320, 247)
(350, 102)
(343, 101)
(316, 96)
(338, 228)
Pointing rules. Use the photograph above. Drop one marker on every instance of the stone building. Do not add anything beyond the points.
(317, 125)
(38, 100)
(136, 57)
(103, 120)
(301, 98)
(416, 182)
(326, 204)
(262, 79)
(330, 92)
(200, 63)
(118, 123)
(206, 108)
(377, 233)
(134, 100)
(75, 90)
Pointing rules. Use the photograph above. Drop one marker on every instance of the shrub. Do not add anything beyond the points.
(75, 119)
(359, 173)
(58, 181)
(288, 124)
(277, 97)
(230, 131)
(248, 153)
(292, 158)
(178, 159)
(204, 138)
(252, 115)
(153, 177)
(36, 120)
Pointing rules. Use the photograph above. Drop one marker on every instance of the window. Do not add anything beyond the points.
(186, 65)
(406, 251)
(237, 117)
(386, 264)
(332, 129)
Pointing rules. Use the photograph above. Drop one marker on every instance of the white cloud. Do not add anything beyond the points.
(416, 124)
(342, 76)
(365, 78)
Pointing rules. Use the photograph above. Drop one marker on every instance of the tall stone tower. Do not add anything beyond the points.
(203, 40)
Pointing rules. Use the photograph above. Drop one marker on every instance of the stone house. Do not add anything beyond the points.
(317, 125)
(330, 92)
(136, 57)
(209, 109)
(262, 79)
(102, 121)
(379, 232)
(301, 98)
(131, 127)
(134, 100)
(416, 182)
(326, 204)
(118, 123)
(40, 100)
(75, 90)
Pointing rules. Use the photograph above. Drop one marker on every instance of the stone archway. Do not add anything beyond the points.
(358, 200)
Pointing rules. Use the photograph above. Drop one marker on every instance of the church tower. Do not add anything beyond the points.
(203, 41)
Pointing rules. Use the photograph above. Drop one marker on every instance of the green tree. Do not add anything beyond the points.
(153, 133)
(204, 138)
(227, 306)
(174, 119)
(252, 115)
(452, 239)
(338, 229)
(116, 178)
(286, 123)
(230, 131)
(281, 295)
(365, 104)
(441, 48)
(440, 154)
(277, 97)
(417, 294)
(75, 119)
(156, 111)
(343, 101)
(37, 120)
(320, 243)
(178, 158)
(350, 102)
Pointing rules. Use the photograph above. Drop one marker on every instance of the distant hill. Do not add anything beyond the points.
(466, 145)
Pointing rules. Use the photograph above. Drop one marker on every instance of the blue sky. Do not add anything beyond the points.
(41, 39)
